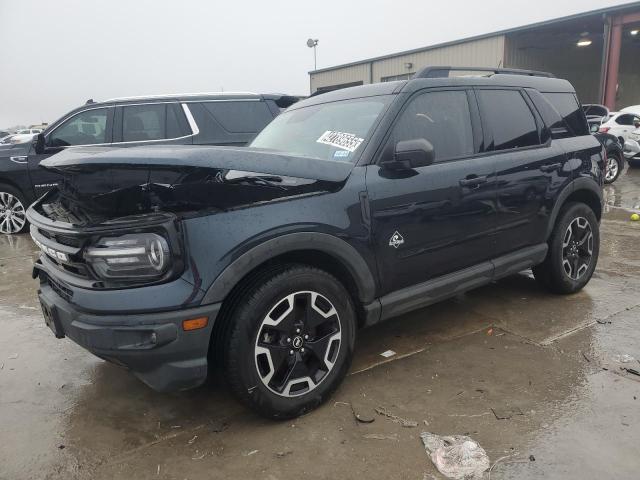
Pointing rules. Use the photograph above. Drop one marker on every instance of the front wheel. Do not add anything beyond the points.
(291, 341)
(573, 250)
(613, 169)
(13, 211)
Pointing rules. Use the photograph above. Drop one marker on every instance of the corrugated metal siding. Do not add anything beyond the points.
(486, 52)
(355, 73)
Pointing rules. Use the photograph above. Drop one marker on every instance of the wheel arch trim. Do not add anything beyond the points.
(587, 185)
(337, 248)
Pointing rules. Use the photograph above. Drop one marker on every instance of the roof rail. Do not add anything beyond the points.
(443, 72)
(176, 95)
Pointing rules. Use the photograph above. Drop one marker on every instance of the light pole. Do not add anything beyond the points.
(311, 43)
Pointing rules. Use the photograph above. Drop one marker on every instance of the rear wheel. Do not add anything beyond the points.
(573, 250)
(13, 210)
(613, 168)
(291, 341)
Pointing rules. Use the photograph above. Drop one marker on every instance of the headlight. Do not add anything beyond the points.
(137, 256)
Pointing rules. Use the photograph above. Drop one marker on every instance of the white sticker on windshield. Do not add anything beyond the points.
(346, 141)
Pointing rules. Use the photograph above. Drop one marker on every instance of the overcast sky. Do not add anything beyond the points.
(56, 54)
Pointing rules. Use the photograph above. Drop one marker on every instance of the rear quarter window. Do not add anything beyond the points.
(566, 104)
(509, 119)
(240, 117)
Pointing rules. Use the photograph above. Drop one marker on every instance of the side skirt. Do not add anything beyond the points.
(452, 284)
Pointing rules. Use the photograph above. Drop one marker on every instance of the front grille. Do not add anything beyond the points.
(60, 289)
(73, 263)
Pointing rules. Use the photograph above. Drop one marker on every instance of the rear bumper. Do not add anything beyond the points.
(152, 345)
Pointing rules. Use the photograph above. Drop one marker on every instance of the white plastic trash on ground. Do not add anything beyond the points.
(456, 456)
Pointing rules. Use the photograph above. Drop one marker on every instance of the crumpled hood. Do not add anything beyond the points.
(247, 159)
(101, 183)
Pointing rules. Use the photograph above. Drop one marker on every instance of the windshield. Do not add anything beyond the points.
(330, 131)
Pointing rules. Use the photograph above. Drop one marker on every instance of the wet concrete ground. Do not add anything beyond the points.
(551, 363)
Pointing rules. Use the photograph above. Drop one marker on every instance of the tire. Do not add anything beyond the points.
(13, 209)
(613, 168)
(561, 272)
(289, 342)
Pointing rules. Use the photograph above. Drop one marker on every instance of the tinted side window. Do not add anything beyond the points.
(85, 128)
(442, 118)
(567, 106)
(143, 122)
(509, 119)
(626, 119)
(177, 125)
(240, 116)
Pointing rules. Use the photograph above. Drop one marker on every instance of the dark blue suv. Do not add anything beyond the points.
(350, 208)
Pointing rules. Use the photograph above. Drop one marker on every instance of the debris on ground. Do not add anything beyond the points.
(388, 354)
(284, 453)
(199, 457)
(603, 322)
(532, 458)
(490, 332)
(360, 413)
(190, 442)
(635, 217)
(13, 357)
(252, 452)
(623, 358)
(506, 413)
(456, 456)
(381, 436)
(219, 426)
(632, 371)
(585, 357)
(402, 421)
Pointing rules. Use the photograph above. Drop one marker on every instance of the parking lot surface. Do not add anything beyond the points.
(542, 382)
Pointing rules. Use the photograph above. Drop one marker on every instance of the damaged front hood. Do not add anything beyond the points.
(268, 162)
(102, 183)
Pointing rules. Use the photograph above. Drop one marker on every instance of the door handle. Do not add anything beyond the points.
(473, 181)
(550, 167)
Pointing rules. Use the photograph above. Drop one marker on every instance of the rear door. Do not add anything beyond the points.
(151, 123)
(529, 166)
(436, 219)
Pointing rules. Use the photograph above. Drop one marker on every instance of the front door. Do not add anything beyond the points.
(436, 219)
(88, 127)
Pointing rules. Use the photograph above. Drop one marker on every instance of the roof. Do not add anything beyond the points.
(540, 83)
(522, 28)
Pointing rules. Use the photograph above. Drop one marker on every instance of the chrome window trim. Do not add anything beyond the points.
(192, 122)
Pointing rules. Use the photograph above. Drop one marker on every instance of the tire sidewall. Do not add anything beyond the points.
(248, 320)
(570, 213)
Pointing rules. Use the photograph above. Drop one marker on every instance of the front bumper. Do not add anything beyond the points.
(152, 345)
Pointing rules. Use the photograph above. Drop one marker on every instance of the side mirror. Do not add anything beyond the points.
(410, 154)
(40, 143)
(636, 124)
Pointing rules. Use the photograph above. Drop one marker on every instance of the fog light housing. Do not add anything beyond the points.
(135, 256)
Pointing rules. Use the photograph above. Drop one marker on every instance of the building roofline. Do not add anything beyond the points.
(522, 28)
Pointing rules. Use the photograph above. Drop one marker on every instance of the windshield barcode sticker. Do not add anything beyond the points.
(346, 141)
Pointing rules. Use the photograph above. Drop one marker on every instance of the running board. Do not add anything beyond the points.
(440, 288)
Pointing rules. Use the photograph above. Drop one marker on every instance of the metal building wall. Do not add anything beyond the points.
(355, 73)
(487, 51)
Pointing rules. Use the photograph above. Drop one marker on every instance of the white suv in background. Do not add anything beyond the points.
(621, 124)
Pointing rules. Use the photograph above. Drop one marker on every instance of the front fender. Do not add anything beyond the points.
(288, 243)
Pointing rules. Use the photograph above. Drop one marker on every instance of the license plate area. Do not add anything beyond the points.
(51, 318)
